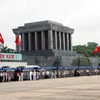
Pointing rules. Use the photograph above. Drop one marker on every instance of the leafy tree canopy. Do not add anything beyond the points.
(5, 49)
(82, 61)
(86, 49)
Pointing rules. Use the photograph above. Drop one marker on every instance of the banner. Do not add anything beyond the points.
(10, 56)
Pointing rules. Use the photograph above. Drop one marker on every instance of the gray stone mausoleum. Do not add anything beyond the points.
(46, 43)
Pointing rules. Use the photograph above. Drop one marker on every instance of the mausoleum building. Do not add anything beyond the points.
(46, 43)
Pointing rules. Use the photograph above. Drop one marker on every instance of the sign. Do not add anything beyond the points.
(10, 56)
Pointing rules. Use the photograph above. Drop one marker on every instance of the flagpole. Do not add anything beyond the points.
(18, 43)
(18, 46)
(1, 45)
(19, 51)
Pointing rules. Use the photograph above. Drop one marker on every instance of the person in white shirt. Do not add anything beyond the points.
(30, 73)
(1, 76)
(34, 75)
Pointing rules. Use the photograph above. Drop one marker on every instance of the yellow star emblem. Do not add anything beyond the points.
(0, 37)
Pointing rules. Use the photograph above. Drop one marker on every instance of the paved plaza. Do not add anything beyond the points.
(73, 88)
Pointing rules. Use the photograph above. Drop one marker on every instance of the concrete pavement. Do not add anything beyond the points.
(73, 88)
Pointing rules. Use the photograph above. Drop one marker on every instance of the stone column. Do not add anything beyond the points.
(23, 42)
(63, 41)
(29, 41)
(60, 40)
(36, 41)
(67, 41)
(55, 39)
(42, 40)
(70, 42)
(50, 39)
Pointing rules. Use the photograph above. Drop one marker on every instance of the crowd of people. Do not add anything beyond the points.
(35, 74)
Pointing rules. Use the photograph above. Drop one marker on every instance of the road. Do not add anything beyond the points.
(73, 88)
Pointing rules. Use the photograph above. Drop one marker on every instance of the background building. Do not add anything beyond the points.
(12, 60)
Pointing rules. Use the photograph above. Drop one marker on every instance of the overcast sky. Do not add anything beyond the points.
(81, 15)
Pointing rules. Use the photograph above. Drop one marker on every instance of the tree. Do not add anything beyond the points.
(86, 49)
(7, 50)
(92, 45)
(82, 61)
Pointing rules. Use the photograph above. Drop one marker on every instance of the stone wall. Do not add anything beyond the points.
(51, 52)
(54, 60)
(13, 64)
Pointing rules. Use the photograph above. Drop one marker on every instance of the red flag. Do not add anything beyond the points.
(1, 39)
(97, 50)
(18, 41)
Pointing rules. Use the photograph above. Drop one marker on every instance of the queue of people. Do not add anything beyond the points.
(4, 76)
(19, 75)
(35, 74)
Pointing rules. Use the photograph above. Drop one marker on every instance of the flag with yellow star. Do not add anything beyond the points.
(1, 39)
(96, 50)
